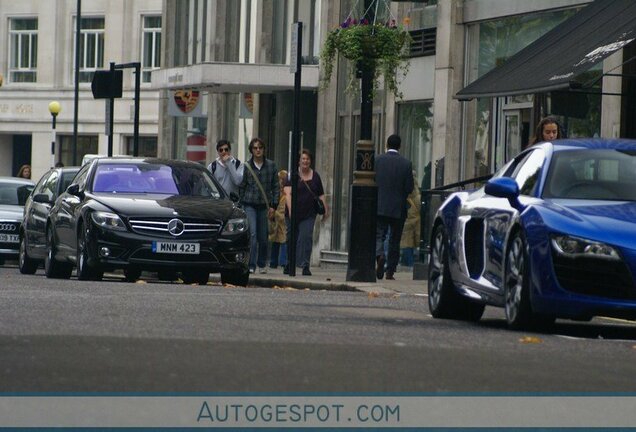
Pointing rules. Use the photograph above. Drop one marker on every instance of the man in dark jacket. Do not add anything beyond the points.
(393, 175)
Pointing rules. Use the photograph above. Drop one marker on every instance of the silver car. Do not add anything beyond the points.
(13, 194)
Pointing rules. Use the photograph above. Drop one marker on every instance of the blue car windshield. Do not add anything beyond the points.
(154, 179)
(603, 174)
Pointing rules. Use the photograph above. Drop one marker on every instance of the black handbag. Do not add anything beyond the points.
(319, 206)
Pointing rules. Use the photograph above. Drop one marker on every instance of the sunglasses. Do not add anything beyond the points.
(223, 150)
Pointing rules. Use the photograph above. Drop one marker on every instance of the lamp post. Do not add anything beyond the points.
(363, 202)
(54, 109)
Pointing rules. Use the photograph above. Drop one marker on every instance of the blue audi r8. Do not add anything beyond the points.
(551, 235)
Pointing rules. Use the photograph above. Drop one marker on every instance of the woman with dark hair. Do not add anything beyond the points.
(309, 189)
(548, 129)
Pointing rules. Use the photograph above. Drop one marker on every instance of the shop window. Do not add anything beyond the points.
(87, 144)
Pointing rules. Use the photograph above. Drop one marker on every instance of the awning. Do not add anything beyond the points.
(553, 60)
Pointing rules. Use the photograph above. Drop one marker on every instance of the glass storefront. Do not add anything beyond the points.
(495, 129)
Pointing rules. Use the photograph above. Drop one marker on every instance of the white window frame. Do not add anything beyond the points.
(87, 70)
(23, 37)
(155, 54)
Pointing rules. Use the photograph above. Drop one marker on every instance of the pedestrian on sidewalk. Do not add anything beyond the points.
(278, 232)
(259, 194)
(411, 232)
(226, 168)
(309, 190)
(394, 177)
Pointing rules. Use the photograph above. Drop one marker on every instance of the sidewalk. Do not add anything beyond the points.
(335, 280)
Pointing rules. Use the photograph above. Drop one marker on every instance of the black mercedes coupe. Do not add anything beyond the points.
(140, 214)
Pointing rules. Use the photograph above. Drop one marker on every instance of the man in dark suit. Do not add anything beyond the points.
(394, 177)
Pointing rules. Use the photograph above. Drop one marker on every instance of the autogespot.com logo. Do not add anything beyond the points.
(8, 227)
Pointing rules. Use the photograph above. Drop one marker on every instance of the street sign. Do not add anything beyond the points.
(107, 84)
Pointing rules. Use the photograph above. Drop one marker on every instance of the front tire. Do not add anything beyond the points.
(237, 277)
(443, 299)
(132, 274)
(518, 307)
(53, 268)
(86, 271)
(25, 263)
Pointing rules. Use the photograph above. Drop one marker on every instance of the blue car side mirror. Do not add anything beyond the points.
(505, 187)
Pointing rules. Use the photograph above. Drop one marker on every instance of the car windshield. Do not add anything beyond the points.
(14, 193)
(155, 179)
(603, 174)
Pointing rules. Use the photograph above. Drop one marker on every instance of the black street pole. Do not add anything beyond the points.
(137, 95)
(111, 115)
(364, 194)
(296, 68)
(137, 66)
(78, 33)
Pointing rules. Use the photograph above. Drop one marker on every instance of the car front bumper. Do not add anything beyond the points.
(111, 249)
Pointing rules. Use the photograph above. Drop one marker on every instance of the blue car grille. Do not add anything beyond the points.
(594, 277)
(158, 227)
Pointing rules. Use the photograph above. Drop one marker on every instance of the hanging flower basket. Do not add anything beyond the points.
(383, 47)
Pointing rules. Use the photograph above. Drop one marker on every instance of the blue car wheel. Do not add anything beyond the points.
(518, 307)
(443, 299)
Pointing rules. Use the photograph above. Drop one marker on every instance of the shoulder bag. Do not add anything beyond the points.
(319, 206)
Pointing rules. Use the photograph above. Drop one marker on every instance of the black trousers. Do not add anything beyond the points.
(394, 226)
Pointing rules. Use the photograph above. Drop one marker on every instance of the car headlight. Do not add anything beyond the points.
(234, 226)
(576, 247)
(108, 220)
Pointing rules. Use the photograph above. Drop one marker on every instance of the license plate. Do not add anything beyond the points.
(9, 238)
(175, 248)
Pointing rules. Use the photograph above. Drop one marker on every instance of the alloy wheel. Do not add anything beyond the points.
(514, 279)
(436, 270)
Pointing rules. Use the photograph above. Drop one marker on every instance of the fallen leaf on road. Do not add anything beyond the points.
(141, 281)
(530, 340)
(373, 294)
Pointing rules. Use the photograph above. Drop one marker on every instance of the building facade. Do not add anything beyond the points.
(37, 62)
(233, 57)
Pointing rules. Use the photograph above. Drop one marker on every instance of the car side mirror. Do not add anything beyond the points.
(42, 198)
(505, 187)
(234, 197)
(74, 189)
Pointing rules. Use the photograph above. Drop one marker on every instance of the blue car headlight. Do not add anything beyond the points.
(578, 247)
(234, 226)
(108, 220)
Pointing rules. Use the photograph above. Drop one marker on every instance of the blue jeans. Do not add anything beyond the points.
(408, 257)
(278, 255)
(257, 218)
